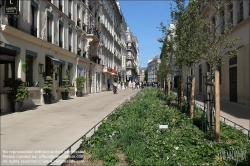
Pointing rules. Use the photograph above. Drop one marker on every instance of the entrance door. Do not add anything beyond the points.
(233, 84)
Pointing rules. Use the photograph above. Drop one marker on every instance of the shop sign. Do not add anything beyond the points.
(12, 7)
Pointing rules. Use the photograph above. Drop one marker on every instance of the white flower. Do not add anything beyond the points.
(173, 154)
(176, 148)
(167, 158)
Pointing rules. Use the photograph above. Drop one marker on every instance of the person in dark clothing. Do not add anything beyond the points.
(108, 84)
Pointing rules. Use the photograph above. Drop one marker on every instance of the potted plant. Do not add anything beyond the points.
(65, 86)
(80, 85)
(17, 94)
(47, 88)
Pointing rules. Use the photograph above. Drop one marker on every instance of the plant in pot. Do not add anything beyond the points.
(17, 94)
(80, 85)
(47, 88)
(65, 86)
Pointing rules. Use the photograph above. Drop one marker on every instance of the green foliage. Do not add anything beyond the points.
(133, 129)
(47, 85)
(18, 91)
(65, 84)
(80, 83)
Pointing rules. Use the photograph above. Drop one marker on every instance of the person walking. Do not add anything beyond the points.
(115, 87)
(108, 82)
(133, 85)
(123, 85)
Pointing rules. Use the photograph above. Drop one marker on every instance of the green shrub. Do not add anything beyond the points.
(47, 85)
(133, 129)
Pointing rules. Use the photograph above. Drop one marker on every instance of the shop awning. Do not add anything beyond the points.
(56, 61)
(7, 55)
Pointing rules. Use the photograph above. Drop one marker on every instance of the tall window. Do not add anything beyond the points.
(29, 69)
(9, 73)
(68, 74)
(70, 40)
(60, 35)
(60, 74)
(230, 10)
(69, 8)
(240, 13)
(60, 5)
(222, 21)
(49, 27)
(33, 29)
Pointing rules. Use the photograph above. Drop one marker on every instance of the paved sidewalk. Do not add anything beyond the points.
(37, 136)
(238, 113)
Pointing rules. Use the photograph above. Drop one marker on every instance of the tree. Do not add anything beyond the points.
(146, 75)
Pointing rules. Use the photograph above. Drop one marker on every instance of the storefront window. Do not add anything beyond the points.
(29, 69)
(9, 73)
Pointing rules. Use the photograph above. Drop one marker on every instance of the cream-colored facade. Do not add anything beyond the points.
(62, 37)
(234, 74)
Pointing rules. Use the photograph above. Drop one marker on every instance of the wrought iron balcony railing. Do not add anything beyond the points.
(49, 38)
(94, 32)
(33, 30)
(60, 43)
(12, 21)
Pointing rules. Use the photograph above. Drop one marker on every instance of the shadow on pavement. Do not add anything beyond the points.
(234, 109)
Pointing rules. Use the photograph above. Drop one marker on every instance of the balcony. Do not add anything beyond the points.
(83, 26)
(240, 16)
(129, 57)
(70, 48)
(12, 21)
(49, 38)
(79, 52)
(93, 33)
(33, 31)
(69, 15)
(60, 7)
(128, 47)
(129, 66)
(60, 43)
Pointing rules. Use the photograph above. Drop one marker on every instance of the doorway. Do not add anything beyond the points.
(233, 84)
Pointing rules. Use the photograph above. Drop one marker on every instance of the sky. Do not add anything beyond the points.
(143, 17)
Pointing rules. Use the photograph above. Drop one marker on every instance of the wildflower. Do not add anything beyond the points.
(176, 148)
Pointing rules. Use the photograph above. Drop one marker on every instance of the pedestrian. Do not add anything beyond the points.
(123, 85)
(115, 86)
(137, 85)
(119, 85)
(133, 85)
(108, 82)
(140, 83)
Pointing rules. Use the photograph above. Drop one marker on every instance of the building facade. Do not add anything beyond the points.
(152, 69)
(234, 73)
(57, 38)
(142, 73)
(132, 58)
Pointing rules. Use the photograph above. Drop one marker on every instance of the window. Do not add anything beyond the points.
(49, 37)
(69, 8)
(230, 10)
(60, 35)
(233, 61)
(33, 29)
(103, 79)
(60, 5)
(70, 40)
(60, 74)
(222, 21)
(240, 13)
(29, 69)
(68, 74)
(9, 73)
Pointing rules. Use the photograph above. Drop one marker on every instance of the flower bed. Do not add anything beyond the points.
(133, 130)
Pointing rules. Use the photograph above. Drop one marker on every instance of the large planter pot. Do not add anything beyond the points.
(79, 94)
(16, 106)
(65, 95)
(47, 98)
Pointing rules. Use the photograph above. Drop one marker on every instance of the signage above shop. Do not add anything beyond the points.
(12, 7)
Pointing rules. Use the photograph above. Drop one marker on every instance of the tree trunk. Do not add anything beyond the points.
(168, 87)
(192, 98)
(217, 105)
